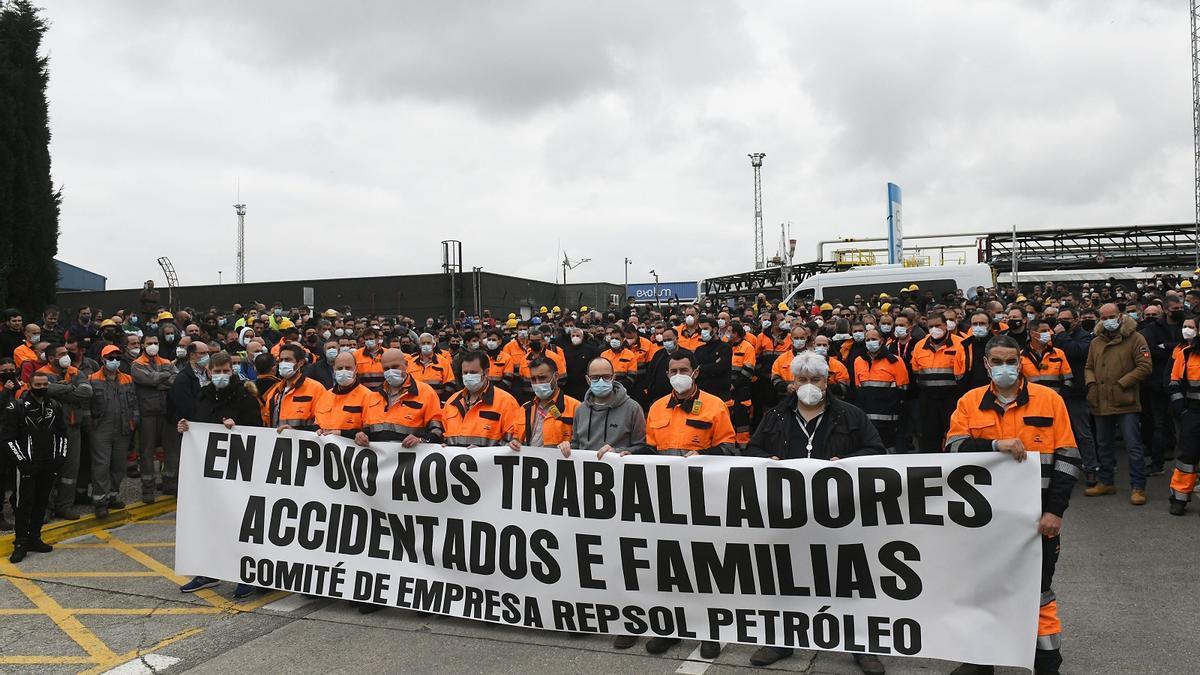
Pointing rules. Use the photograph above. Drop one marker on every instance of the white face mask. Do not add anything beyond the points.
(885, 328)
(576, 340)
(369, 344)
(427, 349)
(1189, 333)
(951, 325)
(331, 353)
(394, 376)
(615, 343)
(809, 394)
(135, 352)
(339, 332)
(152, 350)
(180, 352)
(343, 377)
(823, 350)
(721, 323)
(1045, 337)
(937, 333)
(689, 320)
(65, 361)
(473, 381)
(286, 369)
(980, 331)
(491, 345)
(681, 383)
(705, 335)
(901, 331)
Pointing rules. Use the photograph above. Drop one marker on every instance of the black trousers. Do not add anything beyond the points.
(1048, 656)
(1158, 429)
(935, 412)
(34, 484)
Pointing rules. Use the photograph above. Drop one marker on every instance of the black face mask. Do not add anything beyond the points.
(37, 393)
(1177, 315)
(7, 377)
(1016, 324)
(1088, 324)
(535, 346)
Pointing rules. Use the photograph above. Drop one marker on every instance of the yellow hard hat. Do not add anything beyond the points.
(286, 323)
(1196, 272)
(543, 310)
(511, 323)
(107, 322)
(583, 309)
(163, 316)
(914, 287)
(511, 315)
(783, 307)
(1020, 298)
(826, 307)
(555, 309)
(330, 314)
(1187, 283)
(884, 296)
(886, 306)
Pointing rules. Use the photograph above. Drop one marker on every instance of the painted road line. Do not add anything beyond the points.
(695, 664)
(207, 594)
(44, 660)
(129, 656)
(67, 623)
(144, 665)
(290, 603)
(71, 529)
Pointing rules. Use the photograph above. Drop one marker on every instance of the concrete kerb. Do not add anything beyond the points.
(68, 529)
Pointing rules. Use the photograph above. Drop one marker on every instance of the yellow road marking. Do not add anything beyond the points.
(144, 611)
(152, 544)
(154, 521)
(127, 656)
(84, 575)
(259, 602)
(43, 660)
(24, 610)
(150, 563)
(75, 630)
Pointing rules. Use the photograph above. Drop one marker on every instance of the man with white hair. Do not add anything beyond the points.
(810, 424)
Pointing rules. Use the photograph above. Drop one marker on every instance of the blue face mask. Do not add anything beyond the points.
(221, 381)
(601, 388)
(1006, 375)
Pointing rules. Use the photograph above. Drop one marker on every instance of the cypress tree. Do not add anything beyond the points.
(29, 202)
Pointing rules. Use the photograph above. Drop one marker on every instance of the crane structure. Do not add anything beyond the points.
(1196, 119)
(172, 281)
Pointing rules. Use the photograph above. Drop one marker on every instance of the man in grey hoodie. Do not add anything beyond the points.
(607, 419)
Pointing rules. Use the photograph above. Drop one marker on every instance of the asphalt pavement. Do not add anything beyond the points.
(109, 602)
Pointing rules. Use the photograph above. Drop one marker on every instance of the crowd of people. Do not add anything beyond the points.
(1049, 369)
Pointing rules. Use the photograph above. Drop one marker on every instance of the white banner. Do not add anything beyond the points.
(913, 555)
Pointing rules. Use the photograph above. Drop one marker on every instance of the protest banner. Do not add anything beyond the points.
(915, 555)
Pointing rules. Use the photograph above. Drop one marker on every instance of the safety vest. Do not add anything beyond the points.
(700, 423)
(369, 369)
(417, 412)
(494, 419)
(1039, 418)
(437, 373)
(292, 404)
(938, 367)
(1050, 368)
(880, 383)
(558, 422)
(1185, 375)
(689, 340)
(345, 412)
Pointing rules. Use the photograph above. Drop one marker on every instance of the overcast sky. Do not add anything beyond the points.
(364, 133)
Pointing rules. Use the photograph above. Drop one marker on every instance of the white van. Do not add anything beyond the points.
(874, 279)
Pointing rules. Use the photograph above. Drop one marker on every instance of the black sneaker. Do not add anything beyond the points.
(39, 546)
(869, 664)
(132, 471)
(710, 650)
(170, 488)
(115, 503)
(1178, 507)
(658, 645)
(18, 553)
(102, 510)
(66, 513)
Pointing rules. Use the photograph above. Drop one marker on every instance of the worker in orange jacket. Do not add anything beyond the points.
(838, 383)
(1042, 362)
(1183, 391)
(687, 422)
(742, 373)
(539, 347)
(880, 386)
(410, 411)
(431, 366)
(937, 365)
(1015, 416)
(479, 414)
(291, 403)
(368, 369)
(549, 417)
(344, 409)
(626, 362)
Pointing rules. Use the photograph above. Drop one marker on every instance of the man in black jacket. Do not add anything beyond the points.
(1074, 338)
(578, 352)
(228, 400)
(181, 405)
(34, 430)
(809, 424)
(1163, 330)
(713, 357)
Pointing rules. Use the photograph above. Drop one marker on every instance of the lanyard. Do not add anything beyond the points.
(810, 435)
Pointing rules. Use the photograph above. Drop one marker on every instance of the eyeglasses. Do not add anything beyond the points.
(604, 378)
